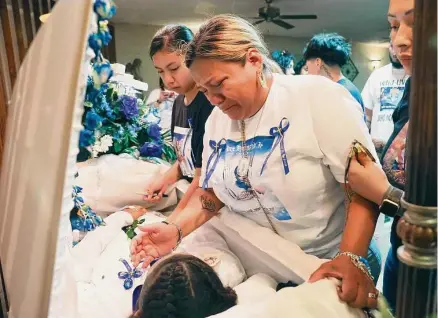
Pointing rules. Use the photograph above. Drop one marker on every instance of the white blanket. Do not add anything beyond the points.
(111, 182)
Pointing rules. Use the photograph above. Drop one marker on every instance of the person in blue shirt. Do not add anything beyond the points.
(325, 54)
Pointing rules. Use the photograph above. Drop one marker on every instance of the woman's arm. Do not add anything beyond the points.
(159, 239)
(327, 108)
(190, 191)
(173, 174)
(361, 219)
(201, 207)
(155, 189)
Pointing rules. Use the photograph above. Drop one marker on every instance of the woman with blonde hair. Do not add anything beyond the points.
(273, 152)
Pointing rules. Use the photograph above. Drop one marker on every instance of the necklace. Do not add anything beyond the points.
(245, 163)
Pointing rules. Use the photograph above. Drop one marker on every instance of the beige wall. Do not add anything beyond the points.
(132, 41)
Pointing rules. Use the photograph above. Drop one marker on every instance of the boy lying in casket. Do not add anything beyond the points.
(202, 278)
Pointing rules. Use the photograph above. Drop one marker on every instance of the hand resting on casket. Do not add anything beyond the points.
(315, 300)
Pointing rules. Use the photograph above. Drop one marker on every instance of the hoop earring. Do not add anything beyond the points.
(262, 80)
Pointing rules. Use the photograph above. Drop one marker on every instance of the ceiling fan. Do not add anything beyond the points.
(272, 14)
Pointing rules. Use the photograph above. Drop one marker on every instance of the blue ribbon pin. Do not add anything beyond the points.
(218, 148)
(278, 133)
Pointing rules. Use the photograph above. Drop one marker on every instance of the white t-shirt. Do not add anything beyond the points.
(182, 141)
(300, 189)
(381, 94)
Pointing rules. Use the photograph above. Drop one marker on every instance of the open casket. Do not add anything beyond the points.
(36, 185)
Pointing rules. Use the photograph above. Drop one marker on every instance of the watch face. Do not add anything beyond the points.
(389, 207)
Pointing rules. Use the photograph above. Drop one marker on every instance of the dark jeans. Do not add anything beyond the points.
(374, 260)
(390, 278)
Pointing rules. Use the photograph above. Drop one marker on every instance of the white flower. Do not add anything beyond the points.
(102, 145)
(106, 142)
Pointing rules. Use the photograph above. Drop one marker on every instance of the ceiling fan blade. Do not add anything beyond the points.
(258, 22)
(283, 24)
(298, 16)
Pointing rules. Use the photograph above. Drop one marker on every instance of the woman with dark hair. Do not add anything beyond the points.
(183, 286)
(285, 60)
(325, 54)
(190, 111)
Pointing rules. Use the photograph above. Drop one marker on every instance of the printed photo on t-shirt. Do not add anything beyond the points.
(182, 141)
(390, 97)
(243, 182)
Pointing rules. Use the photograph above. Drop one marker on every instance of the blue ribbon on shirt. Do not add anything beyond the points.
(278, 134)
(217, 150)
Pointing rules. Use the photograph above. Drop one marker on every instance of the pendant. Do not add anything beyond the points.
(243, 168)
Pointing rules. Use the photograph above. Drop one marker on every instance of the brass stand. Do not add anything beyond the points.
(416, 290)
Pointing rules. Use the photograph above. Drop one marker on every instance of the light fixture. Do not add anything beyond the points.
(375, 63)
(44, 17)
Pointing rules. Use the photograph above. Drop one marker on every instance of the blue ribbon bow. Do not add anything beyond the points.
(129, 275)
(278, 133)
(218, 148)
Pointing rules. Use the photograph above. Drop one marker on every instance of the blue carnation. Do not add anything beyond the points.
(129, 107)
(151, 149)
(105, 37)
(86, 138)
(102, 72)
(93, 120)
(154, 132)
(105, 9)
(95, 42)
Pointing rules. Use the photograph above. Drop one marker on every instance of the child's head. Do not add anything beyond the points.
(167, 52)
(183, 286)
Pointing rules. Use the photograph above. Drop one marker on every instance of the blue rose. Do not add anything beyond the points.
(151, 149)
(105, 9)
(129, 107)
(86, 138)
(154, 132)
(93, 120)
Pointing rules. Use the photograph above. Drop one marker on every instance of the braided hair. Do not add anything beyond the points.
(183, 286)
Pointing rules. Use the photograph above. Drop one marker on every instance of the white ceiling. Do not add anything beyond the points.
(358, 20)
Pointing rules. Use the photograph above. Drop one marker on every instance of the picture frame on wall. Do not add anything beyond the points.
(350, 70)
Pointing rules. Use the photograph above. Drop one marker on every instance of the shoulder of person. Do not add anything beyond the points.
(303, 83)
(384, 71)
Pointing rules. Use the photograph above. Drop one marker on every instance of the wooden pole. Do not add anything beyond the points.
(417, 284)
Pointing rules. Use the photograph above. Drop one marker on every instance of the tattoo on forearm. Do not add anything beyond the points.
(208, 204)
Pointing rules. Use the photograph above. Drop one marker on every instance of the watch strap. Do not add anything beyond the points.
(393, 197)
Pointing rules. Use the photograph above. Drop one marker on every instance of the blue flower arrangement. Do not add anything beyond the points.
(82, 217)
(113, 123)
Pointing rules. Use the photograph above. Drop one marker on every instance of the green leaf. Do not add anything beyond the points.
(117, 147)
(130, 233)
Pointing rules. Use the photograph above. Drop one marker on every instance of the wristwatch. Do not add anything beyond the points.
(391, 202)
